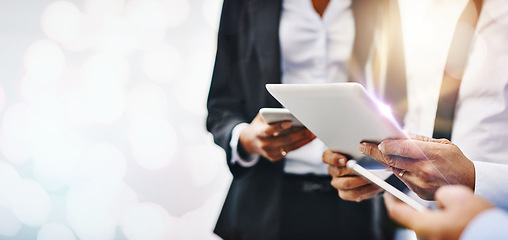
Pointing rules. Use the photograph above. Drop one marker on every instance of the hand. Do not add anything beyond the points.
(424, 164)
(350, 186)
(458, 207)
(273, 141)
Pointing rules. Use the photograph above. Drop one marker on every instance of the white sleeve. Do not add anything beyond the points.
(490, 182)
(235, 156)
(490, 224)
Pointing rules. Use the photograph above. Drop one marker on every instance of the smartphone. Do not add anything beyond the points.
(352, 164)
(275, 115)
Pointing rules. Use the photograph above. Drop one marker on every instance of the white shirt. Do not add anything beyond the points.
(314, 49)
(490, 224)
(481, 118)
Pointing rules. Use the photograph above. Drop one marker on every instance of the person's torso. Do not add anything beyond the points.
(481, 115)
(314, 49)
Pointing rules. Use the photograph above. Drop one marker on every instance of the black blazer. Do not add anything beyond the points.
(248, 57)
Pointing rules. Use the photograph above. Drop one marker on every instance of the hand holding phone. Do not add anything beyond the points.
(276, 115)
(352, 164)
(273, 141)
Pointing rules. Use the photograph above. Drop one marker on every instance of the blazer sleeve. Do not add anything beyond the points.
(226, 103)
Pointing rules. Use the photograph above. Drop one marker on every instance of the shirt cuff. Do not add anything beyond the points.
(490, 181)
(490, 224)
(250, 159)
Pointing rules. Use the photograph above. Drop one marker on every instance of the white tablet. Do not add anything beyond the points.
(342, 115)
(275, 115)
(352, 164)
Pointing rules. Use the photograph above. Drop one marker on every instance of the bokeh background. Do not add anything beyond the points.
(102, 114)
(102, 108)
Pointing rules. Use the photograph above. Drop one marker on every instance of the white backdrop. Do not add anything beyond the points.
(102, 120)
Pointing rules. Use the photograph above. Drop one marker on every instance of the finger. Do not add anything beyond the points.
(336, 171)
(274, 155)
(271, 143)
(360, 193)
(401, 212)
(288, 138)
(349, 182)
(275, 129)
(408, 148)
(298, 144)
(334, 158)
(392, 161)
(418, 137)
(413, 181)
(453, 196)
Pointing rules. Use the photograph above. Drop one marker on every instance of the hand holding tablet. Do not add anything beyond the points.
(340, 114)
(352, 164)
(343, 115)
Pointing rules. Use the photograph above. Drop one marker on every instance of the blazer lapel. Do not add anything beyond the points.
(264, 20)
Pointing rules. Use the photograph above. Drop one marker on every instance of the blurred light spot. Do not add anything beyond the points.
(31, 203)
(202, 219)
(105, 70)
(58, 214)
(153, 142)
(60, 21)
(47, 181)
(32, 88)
(204, 162)
(103, 9)
(147, 100)
(9, 224)
(86, 35)
(14, 133)
(94, 208)
(9, 179)
(73, 98)
(103, 79)
(55, 231)
(147, 221)
(56, 150)
(149, 20)
(117, 37)
(179, 11)
(105, 163)
(108, 104)
(162, 63)
(45, 62)
(2, 98)
(192, 93)
(192, 96)
(211, 10)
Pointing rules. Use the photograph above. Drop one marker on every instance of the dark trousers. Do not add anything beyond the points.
(312, 209)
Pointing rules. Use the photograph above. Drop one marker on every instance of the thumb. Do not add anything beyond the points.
(274, 129)
(453, 196)
(412, 135)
